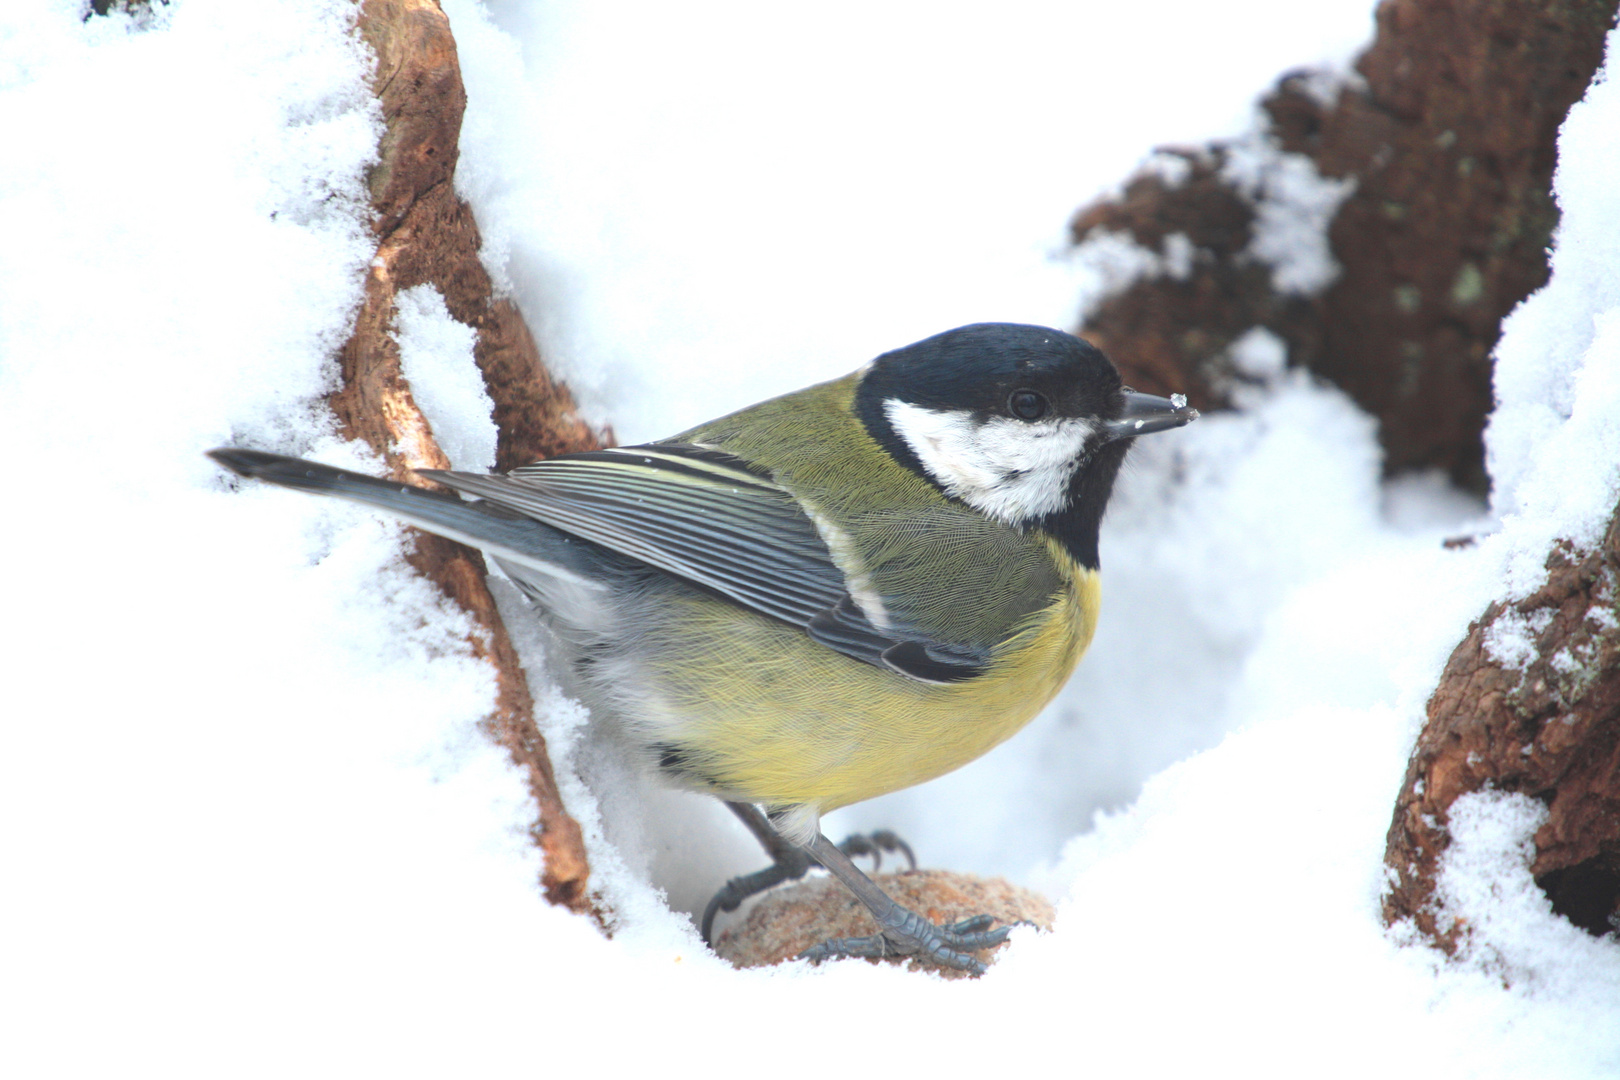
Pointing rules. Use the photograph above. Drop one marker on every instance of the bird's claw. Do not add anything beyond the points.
(738, 889)
(875, 844)
(790, 864)
(948, 945)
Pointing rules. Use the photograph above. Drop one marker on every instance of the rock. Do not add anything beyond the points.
(789, 920)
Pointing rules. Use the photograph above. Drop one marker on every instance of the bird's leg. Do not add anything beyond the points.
(775, 845)
(788, 862)
(902, 932)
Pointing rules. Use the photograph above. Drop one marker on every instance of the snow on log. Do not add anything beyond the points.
(1380, 223)
(427, 235)
(1529, 703)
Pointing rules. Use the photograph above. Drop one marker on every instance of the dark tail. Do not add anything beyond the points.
(481, 524)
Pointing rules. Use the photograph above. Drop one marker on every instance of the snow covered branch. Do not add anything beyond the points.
(427, 237)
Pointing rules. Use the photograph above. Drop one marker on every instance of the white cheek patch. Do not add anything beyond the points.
(1012, 470)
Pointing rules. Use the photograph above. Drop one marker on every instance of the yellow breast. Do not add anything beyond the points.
(766, 715)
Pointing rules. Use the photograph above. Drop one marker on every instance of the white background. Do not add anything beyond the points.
(249, 826)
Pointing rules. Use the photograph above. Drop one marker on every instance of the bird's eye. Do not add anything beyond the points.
(1027, 405)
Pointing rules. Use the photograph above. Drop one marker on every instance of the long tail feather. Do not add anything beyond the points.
(483, 525)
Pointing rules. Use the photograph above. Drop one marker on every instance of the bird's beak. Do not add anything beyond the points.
(1145, 414)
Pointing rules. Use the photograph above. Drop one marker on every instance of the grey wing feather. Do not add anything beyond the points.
(744, 539)
(845, 627)
(707, 517)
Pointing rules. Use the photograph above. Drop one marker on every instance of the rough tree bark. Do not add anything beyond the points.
(426, 234)
(1451, 143)
(1549, 729)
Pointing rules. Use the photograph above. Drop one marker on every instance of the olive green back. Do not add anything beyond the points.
(938, 565)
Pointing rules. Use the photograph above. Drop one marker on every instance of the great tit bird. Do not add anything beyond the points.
(827, 596)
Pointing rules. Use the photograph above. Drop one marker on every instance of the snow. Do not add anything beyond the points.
(908, 166)
(1490, 896)
(1554, 437)
(436, 357)
(1293, 207)
(1110, 262)
(1510, 640)
(1259, 354)
(250, 824)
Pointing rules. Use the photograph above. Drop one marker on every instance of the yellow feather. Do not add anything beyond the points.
(769, 716)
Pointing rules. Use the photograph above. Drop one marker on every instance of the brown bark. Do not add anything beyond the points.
(1451, 142)
(426, 234)
(1550, 730)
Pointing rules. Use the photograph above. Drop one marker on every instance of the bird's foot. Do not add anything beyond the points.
(789, 866)
(789, 863)
(875, 844)
(909, 934)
